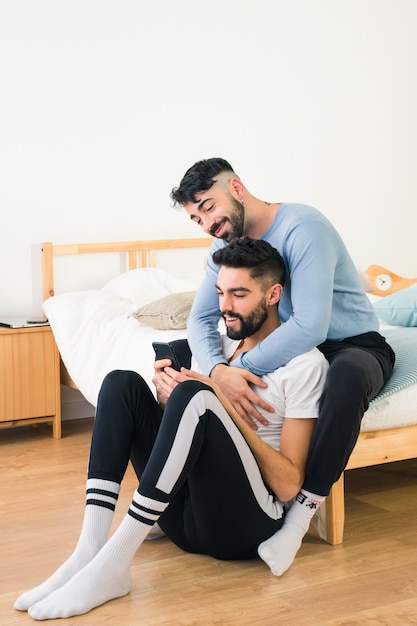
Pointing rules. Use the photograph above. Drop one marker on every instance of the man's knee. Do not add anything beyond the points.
(120, 384)
(187, 389)
(119, 378)
(355, 374)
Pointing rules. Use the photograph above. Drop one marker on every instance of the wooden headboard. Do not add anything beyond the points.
(143, 254)
(139, 254)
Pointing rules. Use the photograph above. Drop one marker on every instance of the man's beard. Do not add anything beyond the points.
(236, 220)
(248, 325)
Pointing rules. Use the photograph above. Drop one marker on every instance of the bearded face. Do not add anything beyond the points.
(231, 226)
(240, 327)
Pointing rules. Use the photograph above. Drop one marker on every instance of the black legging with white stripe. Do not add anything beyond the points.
(192, 456)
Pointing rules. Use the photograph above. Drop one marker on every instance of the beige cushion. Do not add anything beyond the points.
(168, 313)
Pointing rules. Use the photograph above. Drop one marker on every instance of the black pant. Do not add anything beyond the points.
(191, 456)
(358, 369)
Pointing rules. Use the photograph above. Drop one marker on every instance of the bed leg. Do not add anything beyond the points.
(335, 513)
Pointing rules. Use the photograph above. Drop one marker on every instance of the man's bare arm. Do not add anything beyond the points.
(283, 471)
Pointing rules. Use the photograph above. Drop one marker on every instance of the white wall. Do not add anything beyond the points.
(105, 103)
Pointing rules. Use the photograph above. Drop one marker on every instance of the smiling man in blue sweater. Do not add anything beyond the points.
(323, 305)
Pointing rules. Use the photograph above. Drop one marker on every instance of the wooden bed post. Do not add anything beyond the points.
(47, 270)
(335, 512)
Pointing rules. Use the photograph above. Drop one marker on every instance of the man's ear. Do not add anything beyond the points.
(275, 293)
(236, 186)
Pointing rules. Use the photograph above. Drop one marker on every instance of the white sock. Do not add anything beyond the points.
(107, 576)
(279, 551)
(101, 498)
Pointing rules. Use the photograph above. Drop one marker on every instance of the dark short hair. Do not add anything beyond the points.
(200, 177)
(264, 262)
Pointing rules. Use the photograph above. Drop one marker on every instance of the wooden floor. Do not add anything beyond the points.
(371, 579)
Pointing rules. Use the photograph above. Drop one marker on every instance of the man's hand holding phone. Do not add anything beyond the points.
(165, 351)
(167, 371)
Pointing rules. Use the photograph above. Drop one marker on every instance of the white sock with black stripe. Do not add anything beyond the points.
(101, 498)
(107, 576)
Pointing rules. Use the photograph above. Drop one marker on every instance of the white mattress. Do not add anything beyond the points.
(399, 409)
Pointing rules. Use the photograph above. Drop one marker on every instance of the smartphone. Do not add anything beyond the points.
(165, 351)
(178, 351)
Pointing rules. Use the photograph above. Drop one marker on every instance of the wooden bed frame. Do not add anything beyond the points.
(372, 448)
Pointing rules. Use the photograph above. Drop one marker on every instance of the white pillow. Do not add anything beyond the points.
(144, 285)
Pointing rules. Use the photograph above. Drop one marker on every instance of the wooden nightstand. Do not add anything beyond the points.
(29, 378)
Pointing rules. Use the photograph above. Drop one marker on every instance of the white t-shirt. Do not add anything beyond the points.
(293, 389)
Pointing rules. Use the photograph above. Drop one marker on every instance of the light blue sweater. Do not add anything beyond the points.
(323, 297)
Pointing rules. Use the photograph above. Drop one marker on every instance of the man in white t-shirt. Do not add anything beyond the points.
(214, 485)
